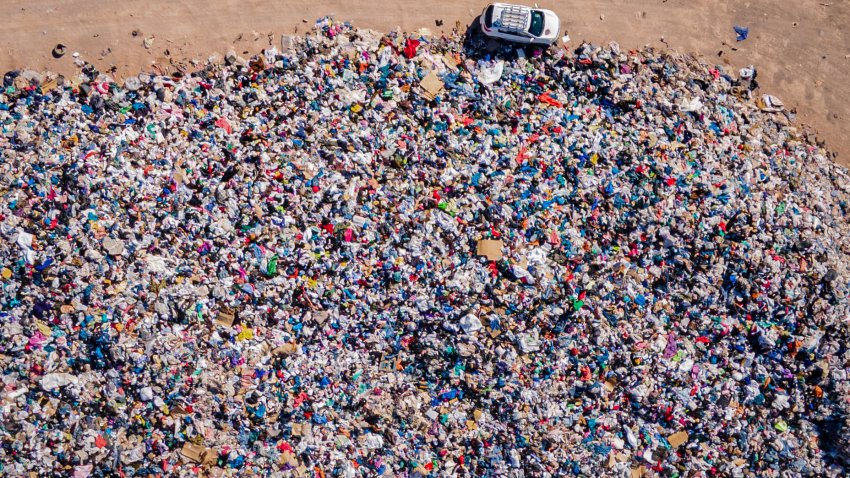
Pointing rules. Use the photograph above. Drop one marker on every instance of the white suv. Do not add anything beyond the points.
(521, 24)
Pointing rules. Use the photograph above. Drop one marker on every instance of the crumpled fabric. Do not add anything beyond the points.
(410, 46)
(271, 267)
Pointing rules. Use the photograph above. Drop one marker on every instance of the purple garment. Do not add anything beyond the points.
(671, 348)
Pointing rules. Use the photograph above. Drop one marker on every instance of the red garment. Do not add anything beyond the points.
(222, 123)
(547, 98)
(410, 48)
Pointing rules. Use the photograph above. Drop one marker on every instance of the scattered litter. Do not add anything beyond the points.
(770, 104)
(415, 255)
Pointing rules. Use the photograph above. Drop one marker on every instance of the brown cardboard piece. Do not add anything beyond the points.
(677, 439)
(431, 86)
(198, 453)
(288, 348)
(289, 458)
(210, 457)
(491, 249)
(226, 317)
(49, 85)
(450, 62)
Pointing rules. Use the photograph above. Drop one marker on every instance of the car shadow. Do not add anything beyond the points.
(474, 40)
(478, 46)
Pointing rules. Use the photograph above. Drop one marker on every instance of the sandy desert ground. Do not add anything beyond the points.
(800, 48)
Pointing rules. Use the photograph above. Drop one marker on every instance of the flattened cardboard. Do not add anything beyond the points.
(288, 348)
(450, 62)
(226, 317)
(193, 452)
(289, 458)
(210, 457)
(431, 86)
(49, 85)
(677, 439)
(491, 249)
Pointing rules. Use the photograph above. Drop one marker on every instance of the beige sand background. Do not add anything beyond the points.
(801, 48)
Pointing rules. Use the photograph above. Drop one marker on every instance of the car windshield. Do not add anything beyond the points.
(536, 23)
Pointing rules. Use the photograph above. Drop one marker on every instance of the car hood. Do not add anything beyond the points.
(551, 25)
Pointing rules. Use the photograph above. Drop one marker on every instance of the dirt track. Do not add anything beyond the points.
(801, 49)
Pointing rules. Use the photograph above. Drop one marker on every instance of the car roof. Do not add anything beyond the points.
(513, 18)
